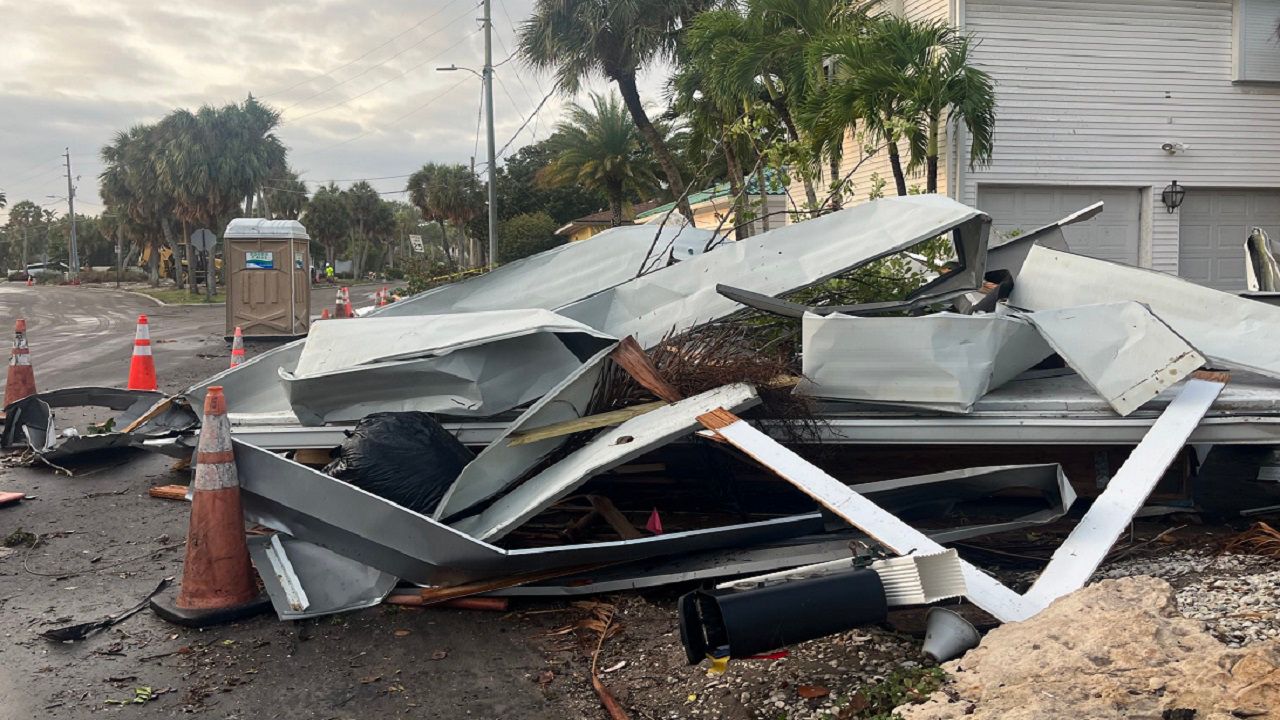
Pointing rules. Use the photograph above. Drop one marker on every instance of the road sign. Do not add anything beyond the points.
(416, 242)
(204, 240)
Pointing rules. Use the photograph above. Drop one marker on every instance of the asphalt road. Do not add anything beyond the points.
(104, 544)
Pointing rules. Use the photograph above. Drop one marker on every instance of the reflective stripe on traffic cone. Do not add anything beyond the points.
(142, 368)
(218, 584)
(346, 303)
(22, 378)
(337, 304)
(382, 297)
(237, 348)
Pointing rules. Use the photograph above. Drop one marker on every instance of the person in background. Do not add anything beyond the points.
(328, 272)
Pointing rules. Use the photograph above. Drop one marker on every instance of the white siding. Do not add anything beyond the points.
(1088, 90)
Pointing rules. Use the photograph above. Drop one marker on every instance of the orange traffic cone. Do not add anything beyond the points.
(346, 303)
(30, 281)
(237, 348)
(142, 368)
(217, 580)
(22, 378)
(325, 315)
(382, 297)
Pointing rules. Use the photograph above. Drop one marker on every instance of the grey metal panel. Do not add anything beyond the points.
(333, 583)
(1212, 228)
(944, 361)
(1113, 235)
(500, 465)
(790, 258)
(1124, 352)
(548, 280)
(1230, 329)
(607, 450)
(311, 506)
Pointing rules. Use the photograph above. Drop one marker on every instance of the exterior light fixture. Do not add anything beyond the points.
(1173, 195)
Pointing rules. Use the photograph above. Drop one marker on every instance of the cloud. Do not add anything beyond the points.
(356, 80)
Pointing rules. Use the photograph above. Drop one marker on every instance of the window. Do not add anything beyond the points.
(1256, 44)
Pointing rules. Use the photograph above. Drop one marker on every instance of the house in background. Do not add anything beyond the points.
(589, 225)
(715, 204)
(1114, 100)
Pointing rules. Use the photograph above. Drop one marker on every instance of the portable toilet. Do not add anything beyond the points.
(268, 277)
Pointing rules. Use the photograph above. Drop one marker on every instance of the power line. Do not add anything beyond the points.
(392, 122)
(461, 40)
(525, 124)
(363, 55)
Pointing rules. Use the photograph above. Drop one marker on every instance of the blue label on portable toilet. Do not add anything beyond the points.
(259, 261)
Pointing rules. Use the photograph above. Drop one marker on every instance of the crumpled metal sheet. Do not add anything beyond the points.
(330, 582)
(31, 420)
(777, 262)
(1126, 354)
(499, 465)
(470, 364)
(1227, 329)
(309, 505)
(548, 280)
(944, 361)
(605, 451)
(1261, 271)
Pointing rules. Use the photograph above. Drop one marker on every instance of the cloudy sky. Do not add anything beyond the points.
(356, 80)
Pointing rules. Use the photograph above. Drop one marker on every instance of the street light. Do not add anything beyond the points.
(486, 80)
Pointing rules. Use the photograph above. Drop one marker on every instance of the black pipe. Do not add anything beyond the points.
(742, 623)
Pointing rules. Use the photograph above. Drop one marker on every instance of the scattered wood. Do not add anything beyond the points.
(492, 604)
(635, 361)
(610, 703)
(160, 407)
(605, 508)
(11, 498)
(435, 595)
(590, 422)
(169, 492)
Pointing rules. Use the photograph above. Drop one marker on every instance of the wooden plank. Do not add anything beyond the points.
(605, 508)
(631, 357)
(590, 422)
(169, 492)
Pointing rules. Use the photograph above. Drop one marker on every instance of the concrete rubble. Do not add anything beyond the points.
(1116, 649)
(630, 429)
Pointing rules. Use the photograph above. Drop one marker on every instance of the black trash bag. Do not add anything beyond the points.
(405, 457)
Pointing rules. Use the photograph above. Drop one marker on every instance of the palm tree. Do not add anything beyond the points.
(770, 51)
(328, 219)
(903, 80)
(371, 221)
(283, 196)
(130, 187)
(709, 123)
(4, 200)
(616, 39)
(459, 199)
(423, 187)
(601, 150)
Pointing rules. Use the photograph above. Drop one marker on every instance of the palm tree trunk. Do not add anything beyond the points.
(262, 202)
(895, 162)
(444, 243)
(837, 197)
(167, 228)
(764, 198)
(931, 157)
(740, 231)
(779, 105)
(615, 208)
(631, 96)
(153, 262)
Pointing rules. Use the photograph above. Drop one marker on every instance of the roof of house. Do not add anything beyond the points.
(772, 182)
(603, 218)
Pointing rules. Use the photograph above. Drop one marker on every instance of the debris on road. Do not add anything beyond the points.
(751, 419)
(80, 631)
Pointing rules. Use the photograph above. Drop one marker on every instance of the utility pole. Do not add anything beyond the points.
(488, 109)
(73, 252)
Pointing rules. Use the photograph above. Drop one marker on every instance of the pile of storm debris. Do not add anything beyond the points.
(613, 415)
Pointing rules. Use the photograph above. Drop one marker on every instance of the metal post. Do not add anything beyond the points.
(488, 108)
(73, 252)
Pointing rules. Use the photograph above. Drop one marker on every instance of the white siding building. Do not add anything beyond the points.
(1113, 100)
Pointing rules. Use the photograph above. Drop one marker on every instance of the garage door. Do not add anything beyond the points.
(1213, 228)
(1113, 235)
